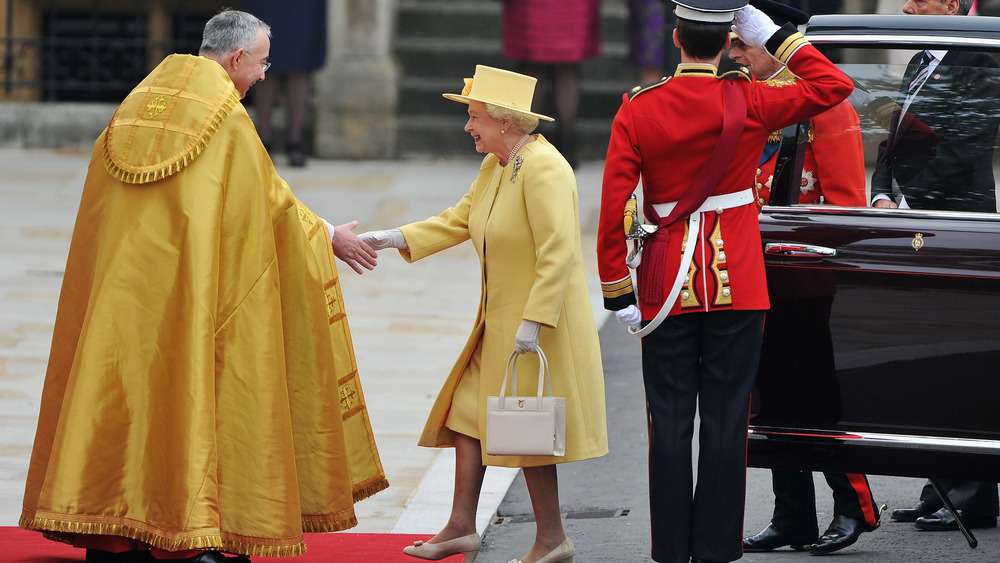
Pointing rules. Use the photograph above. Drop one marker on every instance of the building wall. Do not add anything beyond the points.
(353, 105)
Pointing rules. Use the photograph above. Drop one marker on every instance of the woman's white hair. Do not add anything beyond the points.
(230, 30)
(522, 121)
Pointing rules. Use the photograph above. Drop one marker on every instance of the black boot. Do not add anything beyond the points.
(843, 531)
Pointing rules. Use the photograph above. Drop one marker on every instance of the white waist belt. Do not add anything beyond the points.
(713, 203)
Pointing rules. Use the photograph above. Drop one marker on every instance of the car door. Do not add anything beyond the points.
(882, 347)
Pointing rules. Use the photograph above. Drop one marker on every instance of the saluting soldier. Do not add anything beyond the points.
(695, 139)
(833, 168)
(796, 379)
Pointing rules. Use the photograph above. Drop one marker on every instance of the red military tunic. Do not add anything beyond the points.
(833, 169)
(665, 133)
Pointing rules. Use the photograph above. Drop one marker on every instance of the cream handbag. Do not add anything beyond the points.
(531, 425)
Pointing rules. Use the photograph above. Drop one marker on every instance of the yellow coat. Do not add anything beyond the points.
(527, 235)
(201, 391)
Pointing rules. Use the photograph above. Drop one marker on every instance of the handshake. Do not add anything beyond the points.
(359, 251)
(380, 240)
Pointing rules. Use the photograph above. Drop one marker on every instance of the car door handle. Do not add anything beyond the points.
(800, 250)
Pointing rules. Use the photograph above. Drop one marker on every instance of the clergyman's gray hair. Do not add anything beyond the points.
(229, 30)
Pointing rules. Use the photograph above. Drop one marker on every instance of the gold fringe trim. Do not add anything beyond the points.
(364, 490)
(326, 526)
(177, 163)
(62, 531)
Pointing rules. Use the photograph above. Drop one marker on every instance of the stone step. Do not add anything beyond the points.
(482, 19)
(438, 136)
(443, 18)
(440, 57)
(438, 42)
(422, 96)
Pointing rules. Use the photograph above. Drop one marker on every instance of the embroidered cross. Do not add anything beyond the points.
(156, 107)
(349, 396)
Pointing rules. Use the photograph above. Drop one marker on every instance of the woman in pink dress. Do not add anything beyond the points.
(549, 39)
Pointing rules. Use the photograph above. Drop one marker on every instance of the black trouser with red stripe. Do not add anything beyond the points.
(795, 502)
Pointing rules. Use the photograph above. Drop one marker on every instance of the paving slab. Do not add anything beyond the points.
(409, 321)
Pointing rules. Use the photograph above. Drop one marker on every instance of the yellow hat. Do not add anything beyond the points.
(499, 87)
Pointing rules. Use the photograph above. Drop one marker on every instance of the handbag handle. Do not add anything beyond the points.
(543, 378)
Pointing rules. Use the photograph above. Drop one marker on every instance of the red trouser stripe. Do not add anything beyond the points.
(860, 484)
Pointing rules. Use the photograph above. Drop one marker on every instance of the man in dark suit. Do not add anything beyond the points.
(955, 94)
(956, 97)
(976, 502)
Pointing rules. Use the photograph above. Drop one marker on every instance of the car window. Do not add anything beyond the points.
(927, 138)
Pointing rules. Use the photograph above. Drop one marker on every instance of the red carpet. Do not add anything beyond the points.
(22, 546)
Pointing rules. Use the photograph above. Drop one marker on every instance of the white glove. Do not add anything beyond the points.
(526, 339)
(379, 240)
(629, 316)
(753, 26)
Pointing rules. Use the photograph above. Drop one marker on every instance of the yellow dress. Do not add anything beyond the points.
(525, 227)
(201, 391)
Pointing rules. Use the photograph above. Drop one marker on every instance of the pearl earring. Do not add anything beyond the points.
(502, 131)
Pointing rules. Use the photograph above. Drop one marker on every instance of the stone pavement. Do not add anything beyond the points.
(409, 321)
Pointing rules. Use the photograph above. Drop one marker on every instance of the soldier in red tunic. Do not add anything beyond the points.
(833, 170)
(695, 140)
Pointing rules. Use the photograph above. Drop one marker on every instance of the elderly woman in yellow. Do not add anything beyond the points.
(521, 213)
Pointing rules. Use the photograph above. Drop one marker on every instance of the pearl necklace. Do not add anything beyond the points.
(517, 147)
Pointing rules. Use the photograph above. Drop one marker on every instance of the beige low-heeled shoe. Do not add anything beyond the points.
(562, 554)
(466, 545)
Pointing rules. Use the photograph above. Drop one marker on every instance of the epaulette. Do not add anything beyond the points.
(783, 77)
(740, 72)
(644, 87)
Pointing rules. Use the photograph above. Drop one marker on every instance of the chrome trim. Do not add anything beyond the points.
(937, 214)
(915, 39)
(875, 439)
(797, 249)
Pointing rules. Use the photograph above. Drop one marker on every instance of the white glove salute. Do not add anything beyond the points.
(753, 26)
(379, 240)
(526, 339)
(629, 316)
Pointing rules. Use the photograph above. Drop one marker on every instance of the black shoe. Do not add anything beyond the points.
(772, 538)
(919, 509)
(101, 556)
(700, 560)
(942, 520)
(843, 531)
(296, 155)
